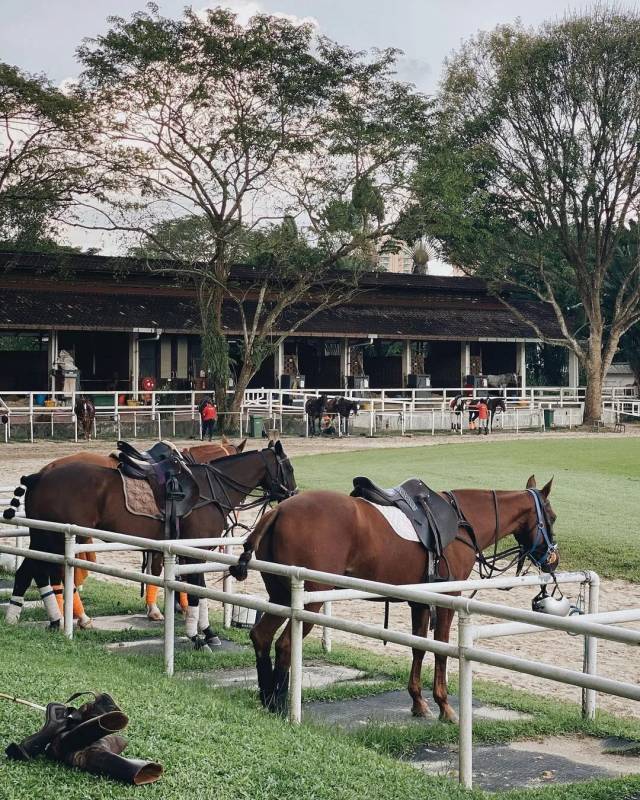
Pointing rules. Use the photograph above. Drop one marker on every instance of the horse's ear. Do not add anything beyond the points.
(241, 446)
(278, 448)
(546, 489)
(271, 443)
(531, 483)
(224, 439)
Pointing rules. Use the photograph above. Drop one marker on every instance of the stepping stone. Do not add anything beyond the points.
(530, 764)
(314, 676)
(392, 708)
(125, 622)
(154, 647)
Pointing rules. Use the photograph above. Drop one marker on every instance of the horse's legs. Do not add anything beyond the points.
(420, 616)
(262, 635)
(24, 575)
(195, 616)
(279, 696)
(151, 591)
(444, 618)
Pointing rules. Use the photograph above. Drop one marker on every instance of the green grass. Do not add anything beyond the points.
(596, 487)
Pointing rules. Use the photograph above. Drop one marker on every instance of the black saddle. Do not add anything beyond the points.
(161, 451)
(433, 518)
(175, 487)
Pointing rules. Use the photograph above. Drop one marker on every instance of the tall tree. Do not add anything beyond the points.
(536, 171)
(41, 171)
(245, 127)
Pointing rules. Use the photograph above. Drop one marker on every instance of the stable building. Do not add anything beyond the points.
(123, 324)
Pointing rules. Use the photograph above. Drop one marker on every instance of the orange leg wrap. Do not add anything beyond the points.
(151, 594)
(184, 601)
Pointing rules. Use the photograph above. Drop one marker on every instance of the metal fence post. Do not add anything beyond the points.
(69, 553)
(326, 632)
(295, 684)
(591, 648)
(465, 693)
(169, 612)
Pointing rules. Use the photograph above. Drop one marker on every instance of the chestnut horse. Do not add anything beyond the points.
(332, 532)
(92, 496)
(200, 454)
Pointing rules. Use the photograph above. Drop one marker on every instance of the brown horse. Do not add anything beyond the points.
(332, 532)
(85, 411)
(92, 496)
(200, 454)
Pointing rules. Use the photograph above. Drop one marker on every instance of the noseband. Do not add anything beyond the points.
(543, 538)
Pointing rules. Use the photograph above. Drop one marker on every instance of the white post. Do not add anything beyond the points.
(169, 612)
(465, 360)
(345, 362)
(227, 586)
(53, 358)
(465, 694)
(326, 632)
(295, 684)
(521, 366)
(406, 360)
(134, 362)
(31, 416)
(69, 553)
(371, 420)
(574, 370)
(591, 650)
(278, 365)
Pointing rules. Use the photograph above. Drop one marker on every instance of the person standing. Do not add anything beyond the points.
(209, 415)
(483, 417)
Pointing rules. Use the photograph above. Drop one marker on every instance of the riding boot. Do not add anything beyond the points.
(87, 733)
(56, 722)
(103, 758)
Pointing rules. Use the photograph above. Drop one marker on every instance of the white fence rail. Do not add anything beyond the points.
(168, 413)
(591, 626)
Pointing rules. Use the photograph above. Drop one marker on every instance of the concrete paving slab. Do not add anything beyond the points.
(314, 676)
(527, 764)
(125, 622)
(391, 708)
(153, 647)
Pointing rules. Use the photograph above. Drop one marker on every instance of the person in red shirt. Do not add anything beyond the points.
(209, 415)
(483, 416)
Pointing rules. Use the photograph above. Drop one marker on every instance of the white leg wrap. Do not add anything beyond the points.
(191, 621)
(13, 610)
(203, 614)
(50, 603)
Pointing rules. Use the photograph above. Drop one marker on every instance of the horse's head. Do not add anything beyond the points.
(279, 480)
(535, 535)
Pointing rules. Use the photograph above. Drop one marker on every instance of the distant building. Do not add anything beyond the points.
(400, 259)
(619, 374)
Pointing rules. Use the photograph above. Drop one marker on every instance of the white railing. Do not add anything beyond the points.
(590, 626)
(616, 409)
(169, 413)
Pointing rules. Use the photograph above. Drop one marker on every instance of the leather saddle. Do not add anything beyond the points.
(175, 487)
(433, 518)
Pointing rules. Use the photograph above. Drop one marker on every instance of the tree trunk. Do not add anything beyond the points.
(593, 397)
(246, 373)
(215, 349)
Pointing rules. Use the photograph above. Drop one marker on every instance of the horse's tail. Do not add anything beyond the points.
(27, 482)
(240, 571)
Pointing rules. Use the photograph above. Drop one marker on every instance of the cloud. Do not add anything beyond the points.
(245, 9)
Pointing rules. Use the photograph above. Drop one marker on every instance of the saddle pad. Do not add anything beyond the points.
(138, 498)
(398, 520)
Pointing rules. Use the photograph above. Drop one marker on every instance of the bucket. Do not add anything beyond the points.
(242, 617)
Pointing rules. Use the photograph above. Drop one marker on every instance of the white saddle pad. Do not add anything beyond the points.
(398, 521)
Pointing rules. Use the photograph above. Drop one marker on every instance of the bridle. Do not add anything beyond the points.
(487, 566)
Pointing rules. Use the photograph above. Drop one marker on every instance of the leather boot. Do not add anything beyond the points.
(56, 722)
(103, 758)
(87, 733)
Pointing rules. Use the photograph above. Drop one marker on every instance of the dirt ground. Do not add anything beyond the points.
(614, 660)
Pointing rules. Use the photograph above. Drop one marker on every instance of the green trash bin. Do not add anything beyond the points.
(548, 418)
(255, 426)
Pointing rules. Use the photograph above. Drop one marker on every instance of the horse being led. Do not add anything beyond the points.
(314, 408)
(344, 408)
(496, 405)
(92, 496)
(85, 411)
(332, 532)
(457, 406)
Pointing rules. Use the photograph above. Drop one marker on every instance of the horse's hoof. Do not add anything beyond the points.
(421, 710)
(448, 715)
(200, 644)
(154, 613)
(213, 641)
(56, 625)
(85, 623)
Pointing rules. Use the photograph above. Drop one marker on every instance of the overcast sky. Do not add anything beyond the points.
(41, 35)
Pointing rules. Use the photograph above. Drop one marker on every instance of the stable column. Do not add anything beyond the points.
(345, 362)
(574, 370)
(278, 365)
(406, 361)
(52, 358)
(134, 362)
(521, 366)
(465, 361)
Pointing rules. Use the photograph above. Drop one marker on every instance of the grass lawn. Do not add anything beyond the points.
(217, 743)
(596, 487)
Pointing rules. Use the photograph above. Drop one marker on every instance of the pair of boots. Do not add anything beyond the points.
(86, 738)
